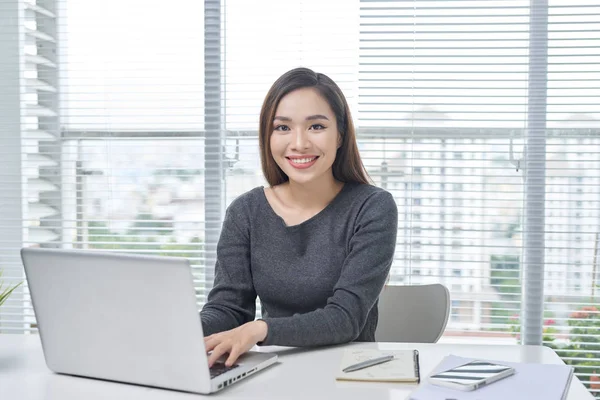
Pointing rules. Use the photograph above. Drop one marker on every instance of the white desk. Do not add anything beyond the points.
(299, 374)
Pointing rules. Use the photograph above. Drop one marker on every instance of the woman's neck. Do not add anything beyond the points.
(313, 195)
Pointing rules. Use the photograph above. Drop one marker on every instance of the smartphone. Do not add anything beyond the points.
(471, 376)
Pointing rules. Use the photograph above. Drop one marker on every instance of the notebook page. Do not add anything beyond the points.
(400, 369)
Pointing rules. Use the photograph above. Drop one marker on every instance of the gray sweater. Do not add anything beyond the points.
(318, 282)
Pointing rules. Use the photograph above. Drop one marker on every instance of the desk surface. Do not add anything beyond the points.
(299, 374)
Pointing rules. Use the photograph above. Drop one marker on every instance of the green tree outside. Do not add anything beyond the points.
(100, 237)
(505, 279)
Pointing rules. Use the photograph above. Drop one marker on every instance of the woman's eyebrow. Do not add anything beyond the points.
(309, 118)
(316, 116)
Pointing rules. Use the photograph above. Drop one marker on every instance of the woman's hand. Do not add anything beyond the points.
(235, 341)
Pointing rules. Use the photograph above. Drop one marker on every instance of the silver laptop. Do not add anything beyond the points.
(126, 318)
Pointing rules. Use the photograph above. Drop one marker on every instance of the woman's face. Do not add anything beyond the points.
(305, 137)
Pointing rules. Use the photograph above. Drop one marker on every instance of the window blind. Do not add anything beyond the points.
(103, 138)
(442, 101)
(572, 188)
(30, 195)
(131, 126)
(484, 119)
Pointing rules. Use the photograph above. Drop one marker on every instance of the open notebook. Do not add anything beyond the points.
(403, 368)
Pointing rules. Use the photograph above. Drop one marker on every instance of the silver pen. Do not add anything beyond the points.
(368, 363)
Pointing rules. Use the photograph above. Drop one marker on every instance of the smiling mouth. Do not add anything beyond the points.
(304, 160)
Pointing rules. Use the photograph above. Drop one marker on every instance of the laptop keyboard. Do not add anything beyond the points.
(220, 368)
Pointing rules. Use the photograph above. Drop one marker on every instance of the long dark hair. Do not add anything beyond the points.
(348, 166)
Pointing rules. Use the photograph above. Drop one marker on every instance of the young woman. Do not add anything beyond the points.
(316, 246)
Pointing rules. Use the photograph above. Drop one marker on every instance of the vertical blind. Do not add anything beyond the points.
(131, 125)
(30, 183)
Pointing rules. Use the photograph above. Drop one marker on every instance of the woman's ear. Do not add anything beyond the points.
(339, 141)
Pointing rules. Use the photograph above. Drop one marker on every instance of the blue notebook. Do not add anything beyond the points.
(530, 381)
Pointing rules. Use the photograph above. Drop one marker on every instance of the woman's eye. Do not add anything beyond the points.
(282, 128)
(317, 127)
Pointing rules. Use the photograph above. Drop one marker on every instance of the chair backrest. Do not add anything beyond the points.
(416, 313)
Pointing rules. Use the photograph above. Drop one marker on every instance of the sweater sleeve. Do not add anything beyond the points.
(365, 269)
(232, 300)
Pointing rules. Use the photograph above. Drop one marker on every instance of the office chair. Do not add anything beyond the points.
(415, 314)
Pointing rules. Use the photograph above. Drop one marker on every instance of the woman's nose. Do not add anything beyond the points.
(300, 139)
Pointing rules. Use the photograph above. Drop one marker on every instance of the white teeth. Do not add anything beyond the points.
(303, 160)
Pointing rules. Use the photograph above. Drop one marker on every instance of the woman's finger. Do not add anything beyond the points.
(211, 344)
(234, 353)
(217, 353)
